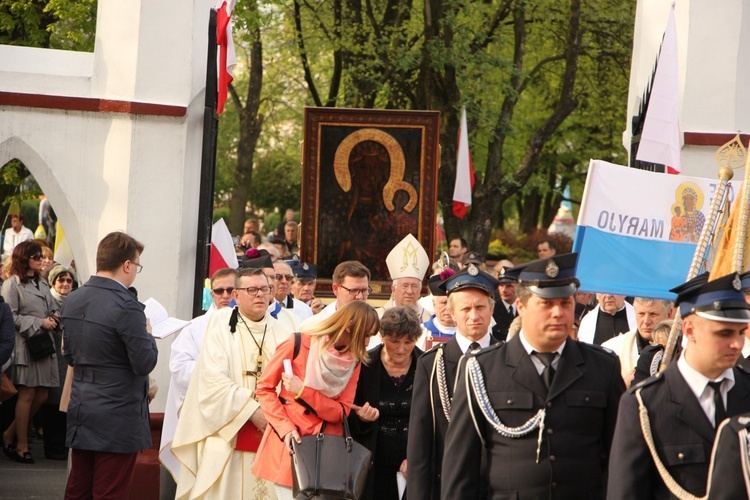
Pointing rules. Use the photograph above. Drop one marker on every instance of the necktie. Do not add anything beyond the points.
(720, 413)
(510, 311)
(474, 346)
(548, 373)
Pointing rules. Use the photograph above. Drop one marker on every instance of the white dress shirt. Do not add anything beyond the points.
(538, 362)
(698, 384)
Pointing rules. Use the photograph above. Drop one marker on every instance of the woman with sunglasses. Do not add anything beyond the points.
(324, 379)
(34, 313)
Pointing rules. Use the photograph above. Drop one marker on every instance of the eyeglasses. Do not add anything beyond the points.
(65, 280)
(140, 267)
(253, 290)
(409, 286)
(353, 292)
(36, 256)
(288, 277)
(220, 291)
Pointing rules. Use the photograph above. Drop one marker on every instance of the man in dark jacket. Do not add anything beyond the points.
(470, 302)
(687, 401)
(108, 342)
(534, 417)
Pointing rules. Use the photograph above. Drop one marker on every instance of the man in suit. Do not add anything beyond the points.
(534, 417)
(687, 401)
(108, 342)
(505, 308)
(470, 302)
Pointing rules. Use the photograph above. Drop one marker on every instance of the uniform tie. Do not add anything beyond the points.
(548, 373)
(720, 413)
(474, 347)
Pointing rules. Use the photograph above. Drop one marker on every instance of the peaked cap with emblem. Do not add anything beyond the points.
(472, 258)
(408, 259)
(718, 300)
(303, 271)
(257, 259)
(470, 277)
(550, 278)
(505, 277)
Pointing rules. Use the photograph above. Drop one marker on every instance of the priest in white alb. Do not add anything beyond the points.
(220, 423)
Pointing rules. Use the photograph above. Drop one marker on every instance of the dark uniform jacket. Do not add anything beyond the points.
(503, 319)
(682, 433)
(581, 409)
(106, 341)
(424, 452)
(729, 474)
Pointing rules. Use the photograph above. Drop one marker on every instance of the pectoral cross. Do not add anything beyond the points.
(258, 367)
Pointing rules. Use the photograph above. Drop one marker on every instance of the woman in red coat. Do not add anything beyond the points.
(326, 370)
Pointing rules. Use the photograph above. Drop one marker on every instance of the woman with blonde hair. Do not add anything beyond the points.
(321, 389)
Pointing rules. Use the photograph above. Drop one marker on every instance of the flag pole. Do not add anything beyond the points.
(208, 167)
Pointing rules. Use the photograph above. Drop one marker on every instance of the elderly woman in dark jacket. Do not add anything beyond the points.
(383, 401)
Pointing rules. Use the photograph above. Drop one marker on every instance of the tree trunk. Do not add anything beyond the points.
(251, 124)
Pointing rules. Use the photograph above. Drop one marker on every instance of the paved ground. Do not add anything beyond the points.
(43, 480)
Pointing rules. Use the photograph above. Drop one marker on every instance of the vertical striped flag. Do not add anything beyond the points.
(464, 172)
(222, 248)
(227, 56)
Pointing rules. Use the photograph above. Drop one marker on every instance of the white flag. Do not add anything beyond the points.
(660, 139)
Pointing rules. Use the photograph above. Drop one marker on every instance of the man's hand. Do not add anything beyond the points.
(288, 440)
(366, 413)
(402, 469)
(292, 383)
(258, 419)
(316, 305)
(148, 326)
(153, 388)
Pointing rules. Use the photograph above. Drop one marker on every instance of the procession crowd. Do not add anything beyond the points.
(505, 382)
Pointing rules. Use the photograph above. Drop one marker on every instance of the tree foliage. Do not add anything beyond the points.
(54, 24)
(544, 83)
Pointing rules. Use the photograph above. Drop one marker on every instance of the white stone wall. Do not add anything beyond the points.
(118, 171)
(714, 50)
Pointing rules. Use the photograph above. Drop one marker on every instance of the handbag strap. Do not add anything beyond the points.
(347, 433)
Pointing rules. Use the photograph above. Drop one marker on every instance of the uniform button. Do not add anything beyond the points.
(510, 402)
(681, 456)
(587, 399)
(553, 485)
(550, 432)
(552, 458)
(549, 404)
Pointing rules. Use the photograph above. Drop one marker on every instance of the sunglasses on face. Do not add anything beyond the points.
(36, 256)
(221, 291)
(65, 280)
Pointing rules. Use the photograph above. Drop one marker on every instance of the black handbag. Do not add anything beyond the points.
(40, 345)
(329, 467)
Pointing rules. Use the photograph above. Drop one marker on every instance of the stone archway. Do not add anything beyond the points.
(16, 148)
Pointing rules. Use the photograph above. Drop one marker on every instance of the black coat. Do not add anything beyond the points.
(581, 409)
(7, 332)
(503, 319)
(682, 433)
(728, 475)
(368, 391)
(106, 341)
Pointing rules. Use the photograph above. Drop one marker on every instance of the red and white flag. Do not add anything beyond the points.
(222, 248)
(225, 43)
(464, 172)
(660, 139)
